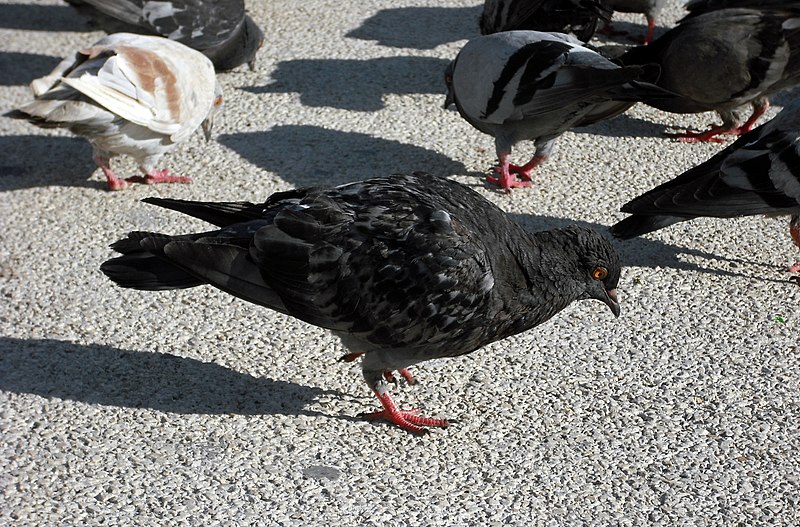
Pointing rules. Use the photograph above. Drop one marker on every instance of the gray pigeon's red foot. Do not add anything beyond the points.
(350, 357)
(408, 420)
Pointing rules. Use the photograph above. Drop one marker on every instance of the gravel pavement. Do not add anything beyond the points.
(120, 407)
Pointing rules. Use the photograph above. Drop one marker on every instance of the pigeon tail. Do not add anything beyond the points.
(636, 225)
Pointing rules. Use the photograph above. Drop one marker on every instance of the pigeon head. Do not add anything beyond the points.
(598, 269)
(253, 40)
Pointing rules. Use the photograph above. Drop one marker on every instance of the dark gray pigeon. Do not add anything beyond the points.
(698, 7)
(219, 29)
(531, 85)
(403, 269)
(723, 60)
(578, 17)
(757, 174)
(651, 9)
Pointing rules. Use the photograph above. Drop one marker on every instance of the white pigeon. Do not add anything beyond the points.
(517, 85)
(129, 94)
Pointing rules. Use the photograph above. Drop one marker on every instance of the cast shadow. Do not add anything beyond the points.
(108, 376)
(44, 161)
(19, 69)
(624, 126)
(306, 155)
(645, 252)
(41, 18)
(357, 85)
(419, 27)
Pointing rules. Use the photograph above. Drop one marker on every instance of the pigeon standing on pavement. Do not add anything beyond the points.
(219, 29)
(129, 94)
(725, 59)
(757, 174)
(651, 9)
(531, 85)
(578, 17)
(403, 269)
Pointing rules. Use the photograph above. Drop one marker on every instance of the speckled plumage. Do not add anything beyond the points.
(219, 29)
(578, 17)
(403, 268)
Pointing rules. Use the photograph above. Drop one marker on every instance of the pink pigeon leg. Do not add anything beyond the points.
(794, 231)
(507, 173)
(651, 28)
(155, 176)
(408, 420)
(758, 110)
(350, 357)
(114, 183)
(709, 136)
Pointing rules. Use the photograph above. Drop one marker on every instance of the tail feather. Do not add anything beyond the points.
(637, 224)
(142, 265)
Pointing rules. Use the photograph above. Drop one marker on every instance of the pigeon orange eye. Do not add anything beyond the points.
(599, 273)
(218, 100)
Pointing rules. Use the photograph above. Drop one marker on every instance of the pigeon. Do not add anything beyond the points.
(698, 7)
(759, 173)
(578, 17)
(219, 29)
(517, 85)
(650, 8)
(723, 60)
(403, 268)
(129, 94)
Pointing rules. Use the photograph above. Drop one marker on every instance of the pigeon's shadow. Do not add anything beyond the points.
(41, 18)
(419, 27)
(356, 85)
(19, 69)
(43, 161)
(644, 252)
(307, 155)
(97, 374)
(623, 126)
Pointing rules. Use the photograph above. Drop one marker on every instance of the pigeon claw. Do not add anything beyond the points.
(409, 420)
(507, 182)
(154, 177)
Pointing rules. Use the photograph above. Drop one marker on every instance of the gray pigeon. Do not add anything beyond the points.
(129, 94)
(403, 269)
(578, 17)
(757, 174)
(219, 29)
(651, 9)
(725, 59)
(519, 85)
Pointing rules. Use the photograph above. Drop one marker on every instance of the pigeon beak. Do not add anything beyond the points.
(207, 126)
(252, 64)
(612, 302)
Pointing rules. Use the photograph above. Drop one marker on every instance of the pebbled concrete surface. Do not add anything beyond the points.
(120, 407)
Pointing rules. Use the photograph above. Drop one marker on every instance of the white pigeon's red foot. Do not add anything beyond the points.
(509, 172)
(155, 176)
(408, 420)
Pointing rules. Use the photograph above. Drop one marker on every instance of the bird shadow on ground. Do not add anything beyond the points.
(19, 69)
(98, 374)
(44, 161)
(306, 155)
(41, 18)
(419, 27)
(645, 252)
(357, 85)
(623, 126)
